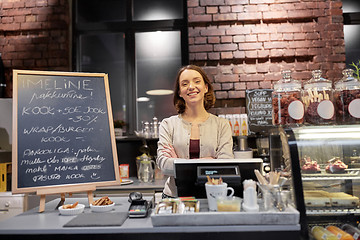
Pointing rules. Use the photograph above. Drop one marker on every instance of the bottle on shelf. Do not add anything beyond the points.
(230, 118)
(320, 233)
(155, 132)
(237, 124)
(237, 127)
(244, 125)
(340, 234)
(353, 231)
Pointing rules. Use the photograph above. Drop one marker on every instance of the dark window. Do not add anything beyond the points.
(140, 45)
(351, 13)
(100, 11)
(105, 52)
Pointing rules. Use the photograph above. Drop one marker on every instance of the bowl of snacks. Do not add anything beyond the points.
(71, 209)
(103, 204)
(228, 204)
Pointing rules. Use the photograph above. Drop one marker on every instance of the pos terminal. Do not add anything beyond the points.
(191, 174)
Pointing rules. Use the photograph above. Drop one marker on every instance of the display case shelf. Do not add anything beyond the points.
(330, 178)
(334, 147)
(332, 212)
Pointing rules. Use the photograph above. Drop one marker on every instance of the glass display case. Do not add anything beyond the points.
(324, 165)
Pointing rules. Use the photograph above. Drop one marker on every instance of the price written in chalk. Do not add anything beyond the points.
(63, 131)
(259, 108)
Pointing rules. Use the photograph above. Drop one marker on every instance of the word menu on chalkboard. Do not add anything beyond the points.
(63, 131)
(259, 108)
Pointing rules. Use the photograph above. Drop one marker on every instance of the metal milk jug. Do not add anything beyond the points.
(146, 170)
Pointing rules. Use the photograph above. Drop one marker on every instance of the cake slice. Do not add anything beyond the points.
(317, 198)
(341, 199)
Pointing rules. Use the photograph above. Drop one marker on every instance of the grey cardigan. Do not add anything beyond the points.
(215, 141)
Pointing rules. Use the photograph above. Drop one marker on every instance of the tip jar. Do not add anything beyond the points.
(286, 101)
(318, 100)
(347, 98)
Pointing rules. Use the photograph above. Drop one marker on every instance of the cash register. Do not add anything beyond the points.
(191, 174)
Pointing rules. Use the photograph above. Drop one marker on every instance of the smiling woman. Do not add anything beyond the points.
(194, 132)
(199, 76)
(192, 87)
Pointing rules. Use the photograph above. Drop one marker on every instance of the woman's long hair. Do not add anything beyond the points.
(209, 98)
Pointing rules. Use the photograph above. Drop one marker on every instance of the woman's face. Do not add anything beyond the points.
(192, 87)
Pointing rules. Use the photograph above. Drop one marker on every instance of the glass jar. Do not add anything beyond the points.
(347, 98)
(286, 101)
(318, 100)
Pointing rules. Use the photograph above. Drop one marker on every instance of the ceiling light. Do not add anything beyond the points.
(143, 99)
(159, 92)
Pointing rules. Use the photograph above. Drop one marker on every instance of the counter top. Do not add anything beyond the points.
(50, 224)
(119, 190)
(156, 185)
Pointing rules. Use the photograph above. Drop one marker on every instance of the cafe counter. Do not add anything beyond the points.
(127, 186)
(50, 225)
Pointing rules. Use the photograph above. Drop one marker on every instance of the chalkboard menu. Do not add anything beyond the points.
(63, 131)
(259, 109)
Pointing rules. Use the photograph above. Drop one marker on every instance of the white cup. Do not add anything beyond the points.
(214, 191)
(243, 154)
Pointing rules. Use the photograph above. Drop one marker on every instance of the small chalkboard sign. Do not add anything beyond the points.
(259, 109)
(63, 132)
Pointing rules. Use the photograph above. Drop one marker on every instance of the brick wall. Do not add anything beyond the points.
(245, 44)
(34, 34)
(242, 44)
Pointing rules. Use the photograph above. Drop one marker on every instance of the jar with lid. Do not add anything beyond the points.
(347, 98)
(286, 101)
(318, 100)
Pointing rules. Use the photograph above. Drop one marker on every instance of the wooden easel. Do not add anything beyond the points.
(20, 178)
(44, 192)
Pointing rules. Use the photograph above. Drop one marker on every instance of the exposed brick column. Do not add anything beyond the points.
(34, 35)
(245, 44)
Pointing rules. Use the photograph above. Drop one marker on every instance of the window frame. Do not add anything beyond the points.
(129, 28)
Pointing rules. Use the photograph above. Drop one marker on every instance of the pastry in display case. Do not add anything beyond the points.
(335, 165)
(310, 166)
(325, 172)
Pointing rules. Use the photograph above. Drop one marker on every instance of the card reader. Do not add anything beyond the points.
(139, 207)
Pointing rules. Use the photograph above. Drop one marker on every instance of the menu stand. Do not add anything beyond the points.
(61, 190)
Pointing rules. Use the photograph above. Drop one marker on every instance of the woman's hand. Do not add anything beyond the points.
(169, 151)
